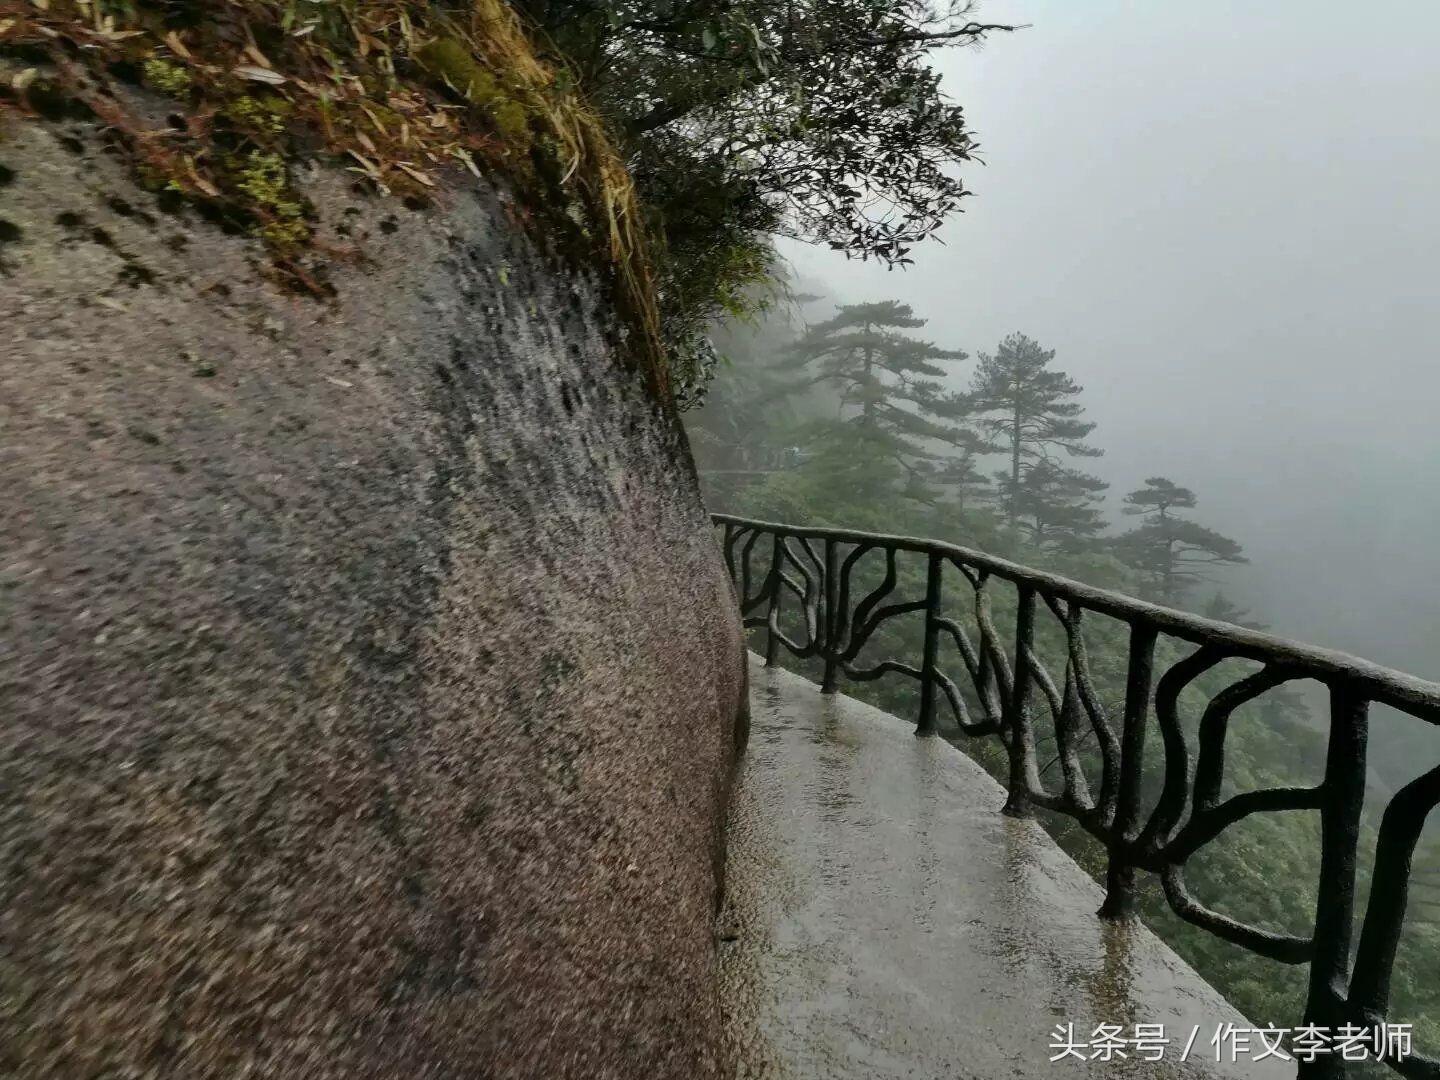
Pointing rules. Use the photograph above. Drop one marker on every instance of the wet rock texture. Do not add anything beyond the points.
(369, 680)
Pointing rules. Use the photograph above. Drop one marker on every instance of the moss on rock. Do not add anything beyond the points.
(166, 78)
(264, 115)
(452, 64)
(265, 181)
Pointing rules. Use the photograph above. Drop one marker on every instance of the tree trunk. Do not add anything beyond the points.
(867, 409)
(1012, 512)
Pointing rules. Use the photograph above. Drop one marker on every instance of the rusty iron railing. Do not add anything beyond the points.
(815, 569)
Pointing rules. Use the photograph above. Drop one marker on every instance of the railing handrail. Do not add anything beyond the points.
(1420, 697)
(1012, 685)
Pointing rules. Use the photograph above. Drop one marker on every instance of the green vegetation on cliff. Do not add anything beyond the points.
(823, 120)
(399, 92)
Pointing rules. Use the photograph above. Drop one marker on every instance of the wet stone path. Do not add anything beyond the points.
(885, 920)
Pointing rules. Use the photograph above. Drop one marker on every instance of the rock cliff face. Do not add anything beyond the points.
(370, 680)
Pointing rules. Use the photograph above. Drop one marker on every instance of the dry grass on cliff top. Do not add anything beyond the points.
(400, 90)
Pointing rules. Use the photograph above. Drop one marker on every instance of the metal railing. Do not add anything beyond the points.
(816, 570)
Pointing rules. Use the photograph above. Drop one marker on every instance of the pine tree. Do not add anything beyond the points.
(1027, 409)
(1172, 550)
(747, 419)
(961, 478)
(892, 404)
(1059, 506)
(1220, 608)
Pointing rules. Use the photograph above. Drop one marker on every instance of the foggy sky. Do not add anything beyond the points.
(1223, 217)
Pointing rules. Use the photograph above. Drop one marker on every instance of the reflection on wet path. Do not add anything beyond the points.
(888, 921)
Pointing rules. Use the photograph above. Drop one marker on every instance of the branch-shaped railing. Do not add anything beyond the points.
(815, 570)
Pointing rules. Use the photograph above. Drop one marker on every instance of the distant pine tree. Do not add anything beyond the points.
(1173, 551)
(1028, 410)
(892, 405)
(1059, 506)
(962, 479)
(1222, 609)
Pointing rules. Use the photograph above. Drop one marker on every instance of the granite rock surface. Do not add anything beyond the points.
(369, 679)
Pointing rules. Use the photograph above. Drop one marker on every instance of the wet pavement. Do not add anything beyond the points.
(885, 920)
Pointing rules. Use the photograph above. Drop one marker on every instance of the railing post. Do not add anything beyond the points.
(1401, 827)
(1343, 799)
(985, 678)
(1022, 736)
(928, 682)
(772, 586)
(1120, 872)
(830, 624)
